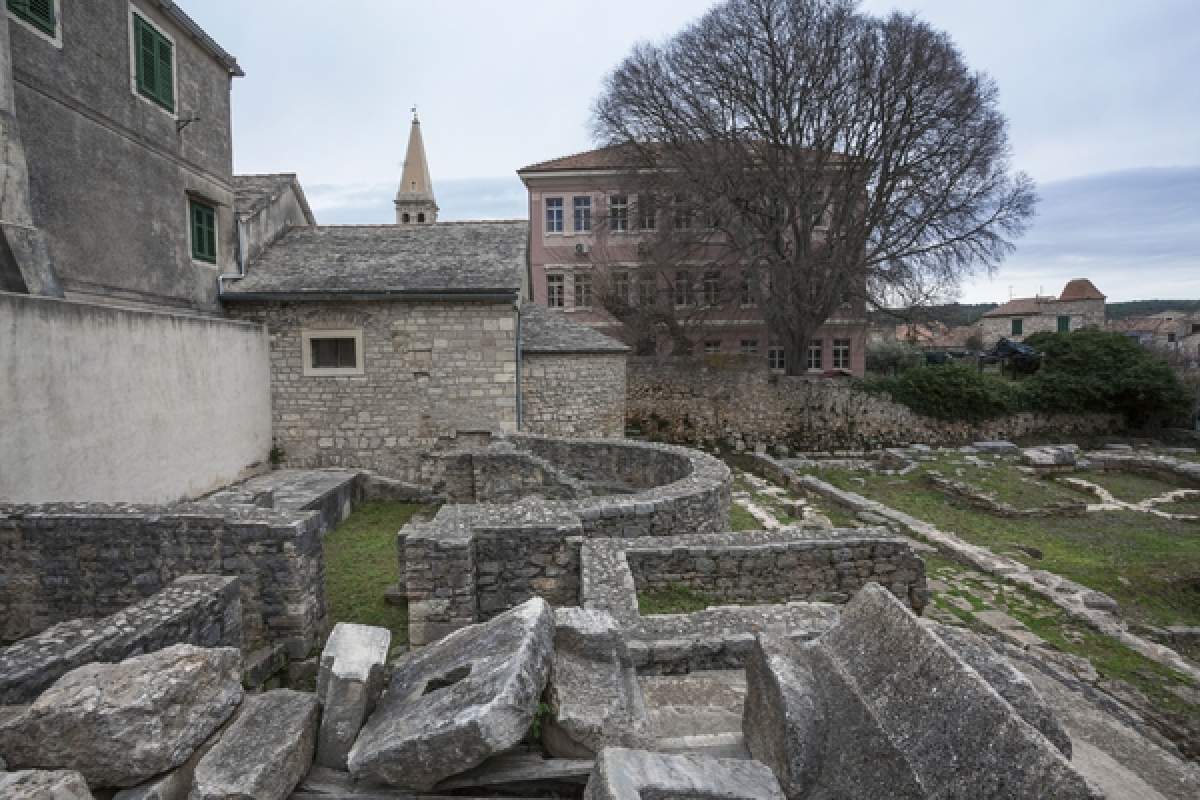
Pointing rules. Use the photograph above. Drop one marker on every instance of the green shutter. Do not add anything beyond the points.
(155, 64)
(204, 231)
(39, 13)
(1064, 324)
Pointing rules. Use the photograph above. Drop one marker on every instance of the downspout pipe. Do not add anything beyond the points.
(240, 256)
(520, 360)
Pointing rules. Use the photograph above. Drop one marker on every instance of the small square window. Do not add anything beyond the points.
(749, 346)
(1018, 327)
(38, 13)
(555, 291)
(712, 346)
(154, 63)
(554, 215)
(1170, 338)
(329, 352)
(204, 230)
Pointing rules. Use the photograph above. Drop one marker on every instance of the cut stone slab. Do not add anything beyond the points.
(1000, 446)
(120, 724)
(698, 713)
(622, 774)
(264, 753)
(456, 702)
(350, 680)
(38, 784)
(593, 693)
(1050, 456)
(892, 711)
(1007, 680)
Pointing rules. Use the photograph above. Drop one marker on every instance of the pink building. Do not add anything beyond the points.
(589, 234)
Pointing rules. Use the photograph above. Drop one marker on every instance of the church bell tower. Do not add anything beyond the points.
(414, 199)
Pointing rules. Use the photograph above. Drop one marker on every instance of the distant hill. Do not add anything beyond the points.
(1144, 308)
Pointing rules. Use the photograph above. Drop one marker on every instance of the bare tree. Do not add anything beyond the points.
(846, 158)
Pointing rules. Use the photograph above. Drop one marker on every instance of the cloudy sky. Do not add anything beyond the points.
(1102, 96)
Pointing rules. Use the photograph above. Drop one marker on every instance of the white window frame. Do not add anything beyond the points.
(561, 217)
(581, 283)
(560, 281)
(843, 348)
(581, 206)
(712, 346)
(56, 39)
(774, 356)
(141, 12)
(748, 347)
(618, 213)
(308, 334)
(815, 347)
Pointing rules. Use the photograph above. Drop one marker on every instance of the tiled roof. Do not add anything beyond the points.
(1080, 289)
(252, 193)
(446, 257)
(613, 157)
(546, 331)
(1020, 306)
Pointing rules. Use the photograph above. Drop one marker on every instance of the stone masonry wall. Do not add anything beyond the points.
(780, 572)
(429, 369)
(63, 562)
(203, 610)
(573, 394)
(695, 401)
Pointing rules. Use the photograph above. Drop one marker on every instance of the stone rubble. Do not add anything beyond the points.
(622, 774)
(36, 784)
(349, 682)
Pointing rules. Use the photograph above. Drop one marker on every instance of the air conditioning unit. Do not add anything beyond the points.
(582, 249)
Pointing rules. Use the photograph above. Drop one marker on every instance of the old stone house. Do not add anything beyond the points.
(586, 228)
(1079, 305)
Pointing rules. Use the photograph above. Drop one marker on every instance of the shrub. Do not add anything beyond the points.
(889, 358)
(950, 392)
(1101, 371)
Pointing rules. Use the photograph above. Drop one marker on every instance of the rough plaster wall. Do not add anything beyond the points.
(573, 394)
(430, 369)
(107, 404)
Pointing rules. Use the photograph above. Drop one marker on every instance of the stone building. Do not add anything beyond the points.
(124, 123)
(588, 230)
(1080, 305)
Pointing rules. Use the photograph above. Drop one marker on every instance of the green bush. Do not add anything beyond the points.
(1100, 371)
(949, 391)
(888, 358)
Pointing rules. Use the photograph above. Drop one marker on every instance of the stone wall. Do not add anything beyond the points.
(105, 404)
(1083, 314)
(573, 394)
(429, 370)
(728, 570)
(63, 562)
(699, 401)
(203, 610)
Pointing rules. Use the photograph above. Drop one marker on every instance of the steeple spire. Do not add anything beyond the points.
(414, 199)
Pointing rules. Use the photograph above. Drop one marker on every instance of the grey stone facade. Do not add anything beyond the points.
(110, 171)
(429, 369)
(573, 394)
(202, 610)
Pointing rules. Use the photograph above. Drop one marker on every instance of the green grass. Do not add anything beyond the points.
(677, 599)
(1010, 486)
(1159, 559)
(1181, 507)
(1130, 486)
(360, 563)
(742, 520)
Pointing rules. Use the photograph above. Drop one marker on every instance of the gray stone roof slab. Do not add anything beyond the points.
(454, 258)
(546, 331)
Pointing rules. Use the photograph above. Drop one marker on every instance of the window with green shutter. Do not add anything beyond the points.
(155, 63)
(1064, 324)
(38, 13)
(1018, 327)
(204, 231)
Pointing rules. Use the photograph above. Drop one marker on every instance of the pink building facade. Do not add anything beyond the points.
(590, 235)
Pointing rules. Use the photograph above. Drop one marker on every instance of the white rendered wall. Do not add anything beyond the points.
(107, 404)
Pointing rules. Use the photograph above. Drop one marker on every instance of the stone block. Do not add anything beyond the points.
(594, 697)
(265, 752)
(458, 701)
(897, 713)
(168, 702)
(999, 447)
(622, 774)
(349, 683)
(1050, 456)
(38, 784)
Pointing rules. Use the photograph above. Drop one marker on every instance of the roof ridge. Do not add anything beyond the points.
(444, 223)
(262, 174)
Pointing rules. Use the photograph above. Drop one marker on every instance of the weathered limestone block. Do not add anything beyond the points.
(454, 703)
(622, 774)
(1050, 456)
(594, 697)
(1007, 680)
(119, 724)
(264, 753)
(348, 686)
(37, 784)
(894, 712)
(998, 446)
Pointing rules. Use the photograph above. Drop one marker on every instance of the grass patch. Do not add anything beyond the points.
(1131, 487)
(677, 599)
(1181, 507)
(360, 563)
(1158, 559)
(742, 520)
